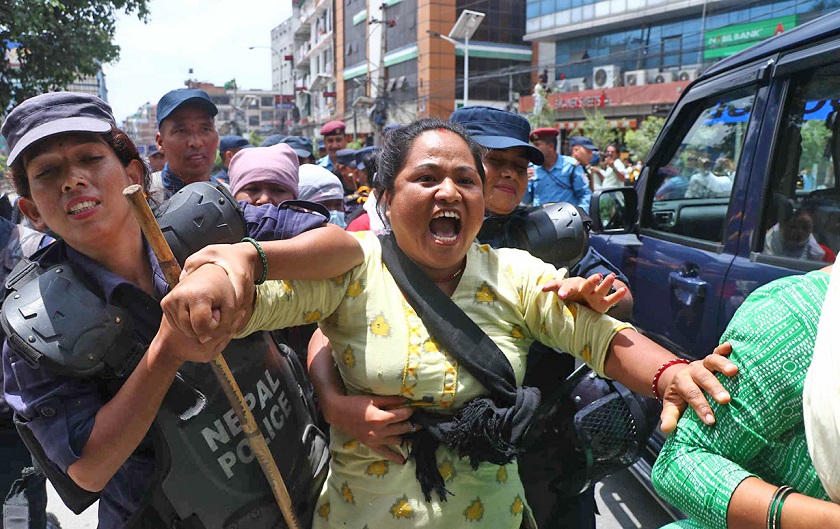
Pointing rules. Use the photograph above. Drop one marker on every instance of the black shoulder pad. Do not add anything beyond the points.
(52, 317)
(198, 215)
(557, 234)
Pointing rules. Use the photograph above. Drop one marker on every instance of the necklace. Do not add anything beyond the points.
(450, 278)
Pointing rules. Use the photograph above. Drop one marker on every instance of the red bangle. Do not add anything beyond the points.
(661, 370)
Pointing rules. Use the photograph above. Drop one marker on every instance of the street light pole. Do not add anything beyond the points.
(464, 28)
(466, 70)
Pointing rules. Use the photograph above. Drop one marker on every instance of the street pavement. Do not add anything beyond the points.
(622, 502)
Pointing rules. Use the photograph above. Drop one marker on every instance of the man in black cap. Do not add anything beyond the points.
(228, 146)
(560, 180)
(302, 147)
(187, 136)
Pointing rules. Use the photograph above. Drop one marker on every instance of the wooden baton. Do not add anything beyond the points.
(172, 271)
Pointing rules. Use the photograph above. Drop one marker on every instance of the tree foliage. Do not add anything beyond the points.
(56, 41)
(641, 140)
(597, 128)
(254, 138)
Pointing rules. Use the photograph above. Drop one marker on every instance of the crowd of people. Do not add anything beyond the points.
(401, 279)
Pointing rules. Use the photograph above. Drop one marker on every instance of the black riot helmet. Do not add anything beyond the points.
(557, 233)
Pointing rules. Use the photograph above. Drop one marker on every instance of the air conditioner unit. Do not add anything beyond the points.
(635, 78)
(605, 76)
(574, 84)
(664, 77)
(688, 74)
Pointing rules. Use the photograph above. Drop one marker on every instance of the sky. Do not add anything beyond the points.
(210, 36)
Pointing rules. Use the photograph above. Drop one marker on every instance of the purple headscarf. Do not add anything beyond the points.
(277, 164)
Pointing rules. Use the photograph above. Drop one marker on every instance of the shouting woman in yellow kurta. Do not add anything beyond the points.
(430, 180)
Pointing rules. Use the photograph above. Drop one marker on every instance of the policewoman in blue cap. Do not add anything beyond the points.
(91, 364)
(558, 178)
(506, 162)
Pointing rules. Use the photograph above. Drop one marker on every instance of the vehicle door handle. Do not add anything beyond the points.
(688, 290)
(665, 219)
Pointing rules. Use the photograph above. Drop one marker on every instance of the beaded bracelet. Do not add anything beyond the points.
(662, 368)
(263, 258)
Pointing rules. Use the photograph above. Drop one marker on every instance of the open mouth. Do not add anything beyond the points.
(445, 226)
(83, 207)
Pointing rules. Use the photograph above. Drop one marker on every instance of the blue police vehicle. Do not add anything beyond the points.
(740, 188)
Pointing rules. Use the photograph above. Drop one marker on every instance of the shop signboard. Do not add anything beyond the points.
(729, 40)
(576, 101)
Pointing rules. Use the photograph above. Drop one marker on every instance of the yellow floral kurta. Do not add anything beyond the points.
(382, 347)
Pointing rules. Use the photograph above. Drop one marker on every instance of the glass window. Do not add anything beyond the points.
(253, 121)
(802, 212)
(546, 7)
(693, 188)
(267, 101)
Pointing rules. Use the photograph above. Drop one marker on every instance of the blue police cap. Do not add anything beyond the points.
(364, 157)
(54, 113)
(152, 149)
(497, 129)
(346, 157)
(274, 139)
(302, 146)
(228, 143)
(583, 141)
(175, 98)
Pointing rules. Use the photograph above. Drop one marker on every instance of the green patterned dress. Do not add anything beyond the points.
(381, 346)
(761, 432)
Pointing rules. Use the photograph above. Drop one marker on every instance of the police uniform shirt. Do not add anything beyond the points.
(564, 182)
(327, 162)
(61, 410)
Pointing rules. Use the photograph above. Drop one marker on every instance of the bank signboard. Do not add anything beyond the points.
(729, 40)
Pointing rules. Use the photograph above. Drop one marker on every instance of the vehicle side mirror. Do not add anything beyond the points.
(614, 210)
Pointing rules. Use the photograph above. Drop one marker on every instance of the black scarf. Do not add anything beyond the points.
(487, 428)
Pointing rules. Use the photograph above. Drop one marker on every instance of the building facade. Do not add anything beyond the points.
(92, 84)
(631, 58)
(142, 126)
(393, 69)
(241, 112)
(314, 64)
(283, 73)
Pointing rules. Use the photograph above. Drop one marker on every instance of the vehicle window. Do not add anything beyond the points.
(693, 188)
(802, 211)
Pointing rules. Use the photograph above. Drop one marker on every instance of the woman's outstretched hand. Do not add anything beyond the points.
(688, 383)
(593, 292)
